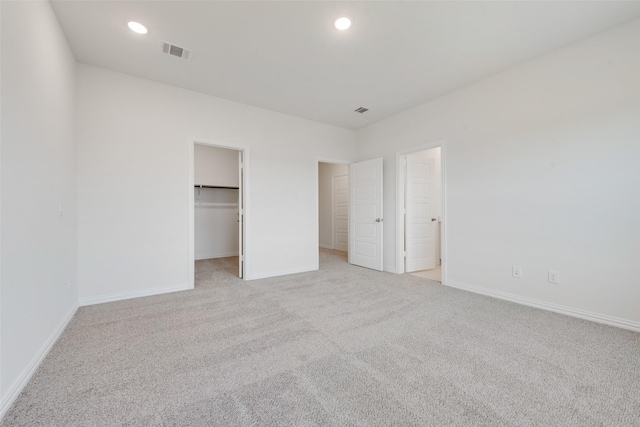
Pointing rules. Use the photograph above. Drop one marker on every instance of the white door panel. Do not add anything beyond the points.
(365, 223)
(341, 212)
(366, 212)
(420, 224)
(366, 249)
(342, 199)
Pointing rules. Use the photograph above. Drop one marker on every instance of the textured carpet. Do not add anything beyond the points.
(341, 346)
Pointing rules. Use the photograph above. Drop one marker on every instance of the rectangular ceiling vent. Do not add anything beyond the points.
(177, 51)
(361, 110)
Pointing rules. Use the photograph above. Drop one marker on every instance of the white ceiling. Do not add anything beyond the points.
(286, 56)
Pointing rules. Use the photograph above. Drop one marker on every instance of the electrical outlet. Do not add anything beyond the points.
(517, 271)
(554, 277)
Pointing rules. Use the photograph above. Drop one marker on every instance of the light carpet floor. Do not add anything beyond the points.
(343, 346)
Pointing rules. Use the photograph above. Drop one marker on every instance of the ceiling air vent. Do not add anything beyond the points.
(361, 110)
(177, 51)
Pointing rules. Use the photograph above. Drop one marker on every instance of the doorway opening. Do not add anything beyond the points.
(217, 209)
(421, 210)
(333, 212)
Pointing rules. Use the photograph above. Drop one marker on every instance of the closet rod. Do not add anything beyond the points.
(215, 186)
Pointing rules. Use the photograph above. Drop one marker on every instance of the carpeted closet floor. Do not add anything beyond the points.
(342, 346)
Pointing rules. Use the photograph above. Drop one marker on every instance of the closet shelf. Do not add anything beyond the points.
(216, 205)
(215, 186)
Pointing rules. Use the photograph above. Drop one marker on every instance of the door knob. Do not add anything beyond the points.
(434, 219)
(378, 219)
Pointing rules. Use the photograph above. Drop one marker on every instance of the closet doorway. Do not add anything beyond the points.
(421, 212)
(217, 204)
(333, 212)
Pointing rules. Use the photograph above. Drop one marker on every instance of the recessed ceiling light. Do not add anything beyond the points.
(137, 27)
(342, 23)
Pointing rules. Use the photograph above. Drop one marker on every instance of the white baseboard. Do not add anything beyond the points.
(212, 256)
(569, 311)
(132, 294)
(281, 273)
(325, 246)
(16, 388)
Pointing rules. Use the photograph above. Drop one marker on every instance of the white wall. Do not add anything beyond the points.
(39, 247)
(542, 172)
(216, 223)
(133, 155)
(326, 172)
(215, 166)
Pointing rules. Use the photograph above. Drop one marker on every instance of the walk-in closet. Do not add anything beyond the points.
(216, 195)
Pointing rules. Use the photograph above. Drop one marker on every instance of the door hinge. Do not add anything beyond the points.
(241, 257)
(404, 254)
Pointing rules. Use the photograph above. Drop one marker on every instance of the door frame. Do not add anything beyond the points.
(245, 196)
(317, 221)
(400, 190)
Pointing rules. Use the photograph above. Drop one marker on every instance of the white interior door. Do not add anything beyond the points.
(365, 222)
(240, 215)
(341, 212)
(420, 223)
